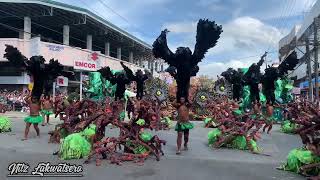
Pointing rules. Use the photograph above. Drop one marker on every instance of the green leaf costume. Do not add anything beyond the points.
(5, 124)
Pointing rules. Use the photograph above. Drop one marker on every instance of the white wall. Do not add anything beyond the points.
(65, 54)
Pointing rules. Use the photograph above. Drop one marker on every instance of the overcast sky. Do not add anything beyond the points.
(250, 27)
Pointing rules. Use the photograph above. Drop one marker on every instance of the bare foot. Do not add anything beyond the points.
(178, 152)
(186, 148)
(86, 162)
(98, 162)
(43, 124)
(24, 139)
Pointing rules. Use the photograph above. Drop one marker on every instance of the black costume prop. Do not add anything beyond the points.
(43, 74)
(118, 78)
(273, 73)
(183, 63)
(139, 78)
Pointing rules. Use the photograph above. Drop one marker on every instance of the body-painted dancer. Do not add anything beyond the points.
(269, 118)
(46, 106)
(183, 124)
(34, 117)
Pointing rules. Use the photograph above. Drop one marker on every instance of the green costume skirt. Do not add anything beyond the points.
(184, 126)
(213, 136)
(5, 124)
(33, 119)
(239, 142)
(74, 146)
(288, 127)
(138, 148)
(146, 136)
(237, 112)
(270, 119)
(167, 121)
(299, 157)
(45, 112)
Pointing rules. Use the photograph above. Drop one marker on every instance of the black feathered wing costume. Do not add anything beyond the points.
(43, 74)
(253, 78)
(184, 62)
(235, 78)
(139, 78)
(272, 74)
(119, 79)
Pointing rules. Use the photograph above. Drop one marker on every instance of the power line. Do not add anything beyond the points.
(257, 55)
(108, 7)
(285, 24)
(100, 14)
(276, 24)
(281, 20)
(293, 9)
(97, 13)
(122, 17)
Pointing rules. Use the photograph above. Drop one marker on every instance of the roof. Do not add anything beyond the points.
(81, 11)
(290, 37)
(308, 20)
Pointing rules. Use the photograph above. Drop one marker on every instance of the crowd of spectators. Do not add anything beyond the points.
(14, 100)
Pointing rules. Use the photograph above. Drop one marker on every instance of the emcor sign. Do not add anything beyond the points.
(62, 81)
(85, 65)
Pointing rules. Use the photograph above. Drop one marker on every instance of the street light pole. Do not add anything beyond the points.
(81, 85)
(316, 63)
(309, 70)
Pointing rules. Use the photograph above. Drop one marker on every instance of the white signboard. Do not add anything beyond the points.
(94, 57)
(85, 77)
(85, 65)
(62, 81)
(296, 91)
(52, 47)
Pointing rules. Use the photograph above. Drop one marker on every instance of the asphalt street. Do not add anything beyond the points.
(200, 162)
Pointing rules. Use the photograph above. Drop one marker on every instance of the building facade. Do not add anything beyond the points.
(75, 36)
(304, 39)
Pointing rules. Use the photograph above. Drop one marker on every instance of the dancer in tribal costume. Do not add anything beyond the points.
(34, 117)
(183, 124)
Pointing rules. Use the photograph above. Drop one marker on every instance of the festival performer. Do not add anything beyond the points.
(257, 115)
(5, 122)
(108, 108)
(130, 106)
(34, 117)
(269, 117)
(46, 106)
(256, 107)
(183, 124)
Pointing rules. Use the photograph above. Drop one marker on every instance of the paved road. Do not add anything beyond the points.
(200, 162)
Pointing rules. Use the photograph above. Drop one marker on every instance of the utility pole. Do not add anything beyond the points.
(316, 63)
(309, 70)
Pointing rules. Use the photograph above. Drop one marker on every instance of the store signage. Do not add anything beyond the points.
(94, 56)
(85, 65)
(62, 81)
(55, 47)
(296, 91)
